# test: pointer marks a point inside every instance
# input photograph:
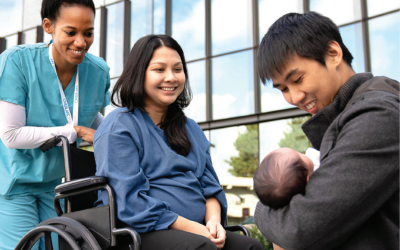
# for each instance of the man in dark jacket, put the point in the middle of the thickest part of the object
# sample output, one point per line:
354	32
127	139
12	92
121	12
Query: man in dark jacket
352	201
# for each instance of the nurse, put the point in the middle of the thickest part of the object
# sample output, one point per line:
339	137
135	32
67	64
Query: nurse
46	89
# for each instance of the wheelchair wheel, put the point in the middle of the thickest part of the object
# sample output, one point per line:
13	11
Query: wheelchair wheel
72	235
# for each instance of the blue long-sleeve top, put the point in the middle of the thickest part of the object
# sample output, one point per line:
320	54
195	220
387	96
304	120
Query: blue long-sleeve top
153	184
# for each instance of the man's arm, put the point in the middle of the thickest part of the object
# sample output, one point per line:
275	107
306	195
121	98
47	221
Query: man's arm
357	177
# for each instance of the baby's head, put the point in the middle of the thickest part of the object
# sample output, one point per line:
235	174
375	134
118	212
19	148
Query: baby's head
282	174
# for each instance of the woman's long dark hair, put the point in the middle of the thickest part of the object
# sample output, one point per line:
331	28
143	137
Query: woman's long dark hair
129	89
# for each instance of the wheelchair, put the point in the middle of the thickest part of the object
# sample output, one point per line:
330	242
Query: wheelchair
83	226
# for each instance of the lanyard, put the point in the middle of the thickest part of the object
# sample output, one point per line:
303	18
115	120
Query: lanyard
63	98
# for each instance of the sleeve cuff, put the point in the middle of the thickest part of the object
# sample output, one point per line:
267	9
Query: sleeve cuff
166	220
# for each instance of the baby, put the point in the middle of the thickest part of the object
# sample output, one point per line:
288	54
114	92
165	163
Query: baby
282	174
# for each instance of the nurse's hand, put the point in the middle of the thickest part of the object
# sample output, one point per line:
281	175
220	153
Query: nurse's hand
85	133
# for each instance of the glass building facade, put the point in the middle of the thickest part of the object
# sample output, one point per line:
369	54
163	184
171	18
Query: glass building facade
243	119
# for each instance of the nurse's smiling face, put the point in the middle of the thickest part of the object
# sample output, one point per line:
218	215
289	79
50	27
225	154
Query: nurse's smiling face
72	34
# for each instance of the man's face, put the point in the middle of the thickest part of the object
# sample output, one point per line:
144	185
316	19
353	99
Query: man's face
307	84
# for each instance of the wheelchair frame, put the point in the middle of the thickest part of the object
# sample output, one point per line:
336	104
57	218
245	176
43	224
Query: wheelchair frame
82	229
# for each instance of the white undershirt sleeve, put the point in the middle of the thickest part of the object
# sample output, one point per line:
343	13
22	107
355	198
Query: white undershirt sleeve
15	134
97	121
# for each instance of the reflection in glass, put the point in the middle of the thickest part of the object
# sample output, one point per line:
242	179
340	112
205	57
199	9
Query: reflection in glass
31	17
231	25
11	41
197	77
341	12
188	27
234	153
110	107
141	19
352	38
115	35
272	99
95	48
283	133
376	7
232	85
159	17
11	15
29	36
270	10
384	38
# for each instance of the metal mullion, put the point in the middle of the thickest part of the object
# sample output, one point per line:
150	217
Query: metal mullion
256	79
2	44
253	119
19	39
127	30
103	32
168	17
208	61
383	14
365	35
39	34
306	6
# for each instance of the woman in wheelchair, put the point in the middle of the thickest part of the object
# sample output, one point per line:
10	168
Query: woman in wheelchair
157	160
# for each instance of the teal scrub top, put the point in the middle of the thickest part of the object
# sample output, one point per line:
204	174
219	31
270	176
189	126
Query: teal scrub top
28	79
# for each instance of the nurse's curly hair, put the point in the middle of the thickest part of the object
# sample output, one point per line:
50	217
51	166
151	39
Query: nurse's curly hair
129	89
51	8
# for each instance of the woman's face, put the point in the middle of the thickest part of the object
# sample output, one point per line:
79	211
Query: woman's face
72	34
164	79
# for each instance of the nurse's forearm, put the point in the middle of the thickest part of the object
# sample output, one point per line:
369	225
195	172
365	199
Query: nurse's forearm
14	133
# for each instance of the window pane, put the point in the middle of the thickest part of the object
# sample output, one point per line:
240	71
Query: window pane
231	25
197	78
188	27
283	133
272	99
159	17
376	7
115	35
384	37
10	10
11	41
32	16
29	36
341	12
234	153
352	38
46	37
233	85
270	10
110	1
110	107
95	48
141	19
98	3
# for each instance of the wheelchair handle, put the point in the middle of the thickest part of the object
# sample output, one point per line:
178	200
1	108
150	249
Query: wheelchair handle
52	142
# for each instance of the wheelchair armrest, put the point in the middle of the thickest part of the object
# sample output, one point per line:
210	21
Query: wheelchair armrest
241	228
79	184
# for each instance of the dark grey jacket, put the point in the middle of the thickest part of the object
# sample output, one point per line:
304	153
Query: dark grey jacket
352	200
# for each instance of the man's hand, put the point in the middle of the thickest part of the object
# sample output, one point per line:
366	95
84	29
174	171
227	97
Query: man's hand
85	133
217	232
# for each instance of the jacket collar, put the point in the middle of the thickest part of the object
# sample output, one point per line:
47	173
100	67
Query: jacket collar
317	125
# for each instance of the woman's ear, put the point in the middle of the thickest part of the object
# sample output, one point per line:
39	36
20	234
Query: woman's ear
47	26
334	54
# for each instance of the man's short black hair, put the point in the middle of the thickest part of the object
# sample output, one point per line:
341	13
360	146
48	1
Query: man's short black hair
307	35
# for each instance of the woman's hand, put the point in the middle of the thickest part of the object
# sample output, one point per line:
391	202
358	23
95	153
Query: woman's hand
85	133
184	224
217	232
